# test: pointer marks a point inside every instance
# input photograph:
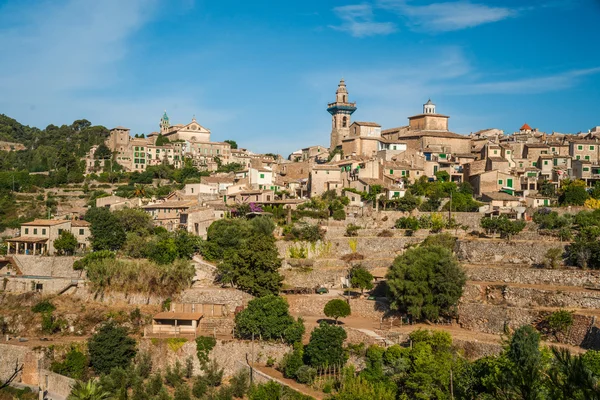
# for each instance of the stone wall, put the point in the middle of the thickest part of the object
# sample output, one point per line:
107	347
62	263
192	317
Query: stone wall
56	384
529	297
495	319
9	355
314	305
534	276
487	252
227	353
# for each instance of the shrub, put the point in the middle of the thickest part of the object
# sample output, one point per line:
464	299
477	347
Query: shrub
44	306
339	215
110	348
199	387
325	347
204	344
411	223
176	343
553	257
292	361
443	239
352	230
239	383
385	233
560	321
74	365
306	374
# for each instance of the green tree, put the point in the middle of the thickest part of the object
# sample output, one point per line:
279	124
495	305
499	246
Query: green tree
502	225
89	390
102	152
268	318
361	278
337	308
74	365
204	344
547	189
106	229
573	193
66	243
426	282
560	321
325	347
110	348
524	375
232	143
254	267
223	236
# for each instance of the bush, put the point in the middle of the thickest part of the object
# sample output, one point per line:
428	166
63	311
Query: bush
443	239
339	215
74	365
239	383
199	387
560	321
361	278
553	257
385	233
411	223
204	344
306	374
292	361
352	230
110	348
44	306
325	347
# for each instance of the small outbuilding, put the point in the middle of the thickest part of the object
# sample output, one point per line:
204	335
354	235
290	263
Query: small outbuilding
175	323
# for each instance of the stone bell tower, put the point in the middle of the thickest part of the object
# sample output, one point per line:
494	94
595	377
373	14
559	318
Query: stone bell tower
341	111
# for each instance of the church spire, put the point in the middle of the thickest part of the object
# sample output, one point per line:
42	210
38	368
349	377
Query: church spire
340	112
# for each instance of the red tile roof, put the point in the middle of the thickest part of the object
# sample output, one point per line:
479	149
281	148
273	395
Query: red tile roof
525	127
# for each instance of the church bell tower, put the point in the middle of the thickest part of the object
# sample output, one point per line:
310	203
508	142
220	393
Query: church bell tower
341	111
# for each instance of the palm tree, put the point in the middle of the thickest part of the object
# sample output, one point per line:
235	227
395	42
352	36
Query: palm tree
89	390
570	378
140	191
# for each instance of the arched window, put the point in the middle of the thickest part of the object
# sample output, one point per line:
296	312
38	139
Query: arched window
344	98
344	122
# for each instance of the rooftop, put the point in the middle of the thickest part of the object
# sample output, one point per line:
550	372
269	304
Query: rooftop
46	222
183	316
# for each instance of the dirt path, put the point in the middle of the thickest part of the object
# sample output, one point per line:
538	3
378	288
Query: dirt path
278	376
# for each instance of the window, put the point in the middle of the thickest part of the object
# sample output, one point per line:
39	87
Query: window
444	156
495	152
545	162
534	164
500	182
520	165
403	173
507	151
591	147
81	231
578	157
391	172
43	231
579	147
35	231
554	149
587	158
26	231
556	161
136	148
586	169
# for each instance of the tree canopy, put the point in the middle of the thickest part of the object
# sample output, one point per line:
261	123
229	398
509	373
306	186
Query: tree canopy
110	348
426	282
325	347
337	308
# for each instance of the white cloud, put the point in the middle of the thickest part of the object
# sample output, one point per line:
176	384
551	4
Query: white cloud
446	16
542	84
358	20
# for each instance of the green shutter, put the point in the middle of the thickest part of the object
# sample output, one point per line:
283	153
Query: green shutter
509	182
391	172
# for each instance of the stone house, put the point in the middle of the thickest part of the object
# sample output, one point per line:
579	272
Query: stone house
499	200
37	237
492	181
168	213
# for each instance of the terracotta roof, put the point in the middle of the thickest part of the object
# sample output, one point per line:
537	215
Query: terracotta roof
28	239
171	204
79	223
428	115
375	124
497	159
440	134
46	222
536	145
525	127
500	196
184	316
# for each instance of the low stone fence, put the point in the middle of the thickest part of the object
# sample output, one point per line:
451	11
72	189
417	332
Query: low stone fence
503	252
314	305
227	353
534	276
529	297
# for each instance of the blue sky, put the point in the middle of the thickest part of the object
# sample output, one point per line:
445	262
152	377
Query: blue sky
262	72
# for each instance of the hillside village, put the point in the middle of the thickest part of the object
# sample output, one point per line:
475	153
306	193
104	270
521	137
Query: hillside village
399	258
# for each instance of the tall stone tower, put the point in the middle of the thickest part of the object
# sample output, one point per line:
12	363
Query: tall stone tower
341	112
164	123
